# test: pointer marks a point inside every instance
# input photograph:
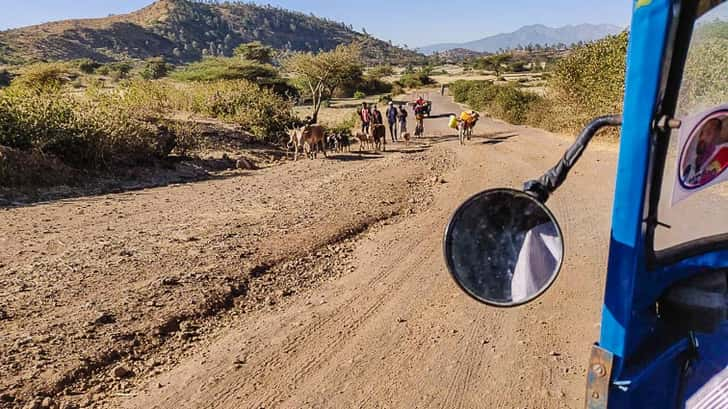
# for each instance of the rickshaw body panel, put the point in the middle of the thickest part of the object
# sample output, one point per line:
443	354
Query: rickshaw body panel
646	368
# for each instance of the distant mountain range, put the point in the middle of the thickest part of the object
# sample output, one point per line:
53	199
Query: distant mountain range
533	34
187	30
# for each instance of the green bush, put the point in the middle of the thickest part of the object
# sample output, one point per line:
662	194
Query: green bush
127	124
507	102
359	95
364	84
380	71
96	131
259	110
155	68
589	82
88	134
415	80
512	104
255	51
705	81
44	76
220	68
87	65
117	70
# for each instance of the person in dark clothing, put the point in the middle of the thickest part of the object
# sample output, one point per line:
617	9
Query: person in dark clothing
392	119
377	116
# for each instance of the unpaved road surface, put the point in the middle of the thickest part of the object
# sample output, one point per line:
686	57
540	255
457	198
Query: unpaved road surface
315	284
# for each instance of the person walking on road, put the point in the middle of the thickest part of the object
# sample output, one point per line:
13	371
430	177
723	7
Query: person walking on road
402	117
377	116
392	119
366	118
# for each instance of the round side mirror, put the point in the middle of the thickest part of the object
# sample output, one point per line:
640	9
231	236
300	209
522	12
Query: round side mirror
503	247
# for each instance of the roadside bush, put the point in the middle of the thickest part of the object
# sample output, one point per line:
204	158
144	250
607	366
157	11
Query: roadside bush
345	126
258	110
128	125
416	80
362	84
44	76
507	102
512	104
85	134
359	95
705	82
87	65
98	131
589	82
380	71
117	70
517	66
155	68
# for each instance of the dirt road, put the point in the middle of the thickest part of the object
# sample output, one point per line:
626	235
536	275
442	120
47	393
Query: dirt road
316	284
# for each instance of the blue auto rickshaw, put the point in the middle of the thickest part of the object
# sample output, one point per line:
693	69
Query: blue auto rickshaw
664	335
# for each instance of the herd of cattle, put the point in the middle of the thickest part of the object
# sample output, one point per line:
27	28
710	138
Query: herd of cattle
310	139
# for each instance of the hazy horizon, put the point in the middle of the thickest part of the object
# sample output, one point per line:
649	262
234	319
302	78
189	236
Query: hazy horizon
396	21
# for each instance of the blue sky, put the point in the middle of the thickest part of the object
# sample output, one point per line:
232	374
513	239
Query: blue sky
415	23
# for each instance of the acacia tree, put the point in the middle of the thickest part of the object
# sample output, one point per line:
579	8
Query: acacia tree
255	51
320	74
495	62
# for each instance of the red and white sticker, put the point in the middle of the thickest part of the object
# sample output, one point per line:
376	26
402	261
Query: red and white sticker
702	153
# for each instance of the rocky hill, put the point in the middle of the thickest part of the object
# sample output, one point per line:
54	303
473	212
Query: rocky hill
186	30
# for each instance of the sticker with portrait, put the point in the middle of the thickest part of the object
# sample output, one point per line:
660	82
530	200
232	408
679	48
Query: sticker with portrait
702	153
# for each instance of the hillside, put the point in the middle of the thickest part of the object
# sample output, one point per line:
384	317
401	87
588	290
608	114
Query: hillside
534	34
183	31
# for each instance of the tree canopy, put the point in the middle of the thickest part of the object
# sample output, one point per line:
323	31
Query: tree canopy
320	74
255	51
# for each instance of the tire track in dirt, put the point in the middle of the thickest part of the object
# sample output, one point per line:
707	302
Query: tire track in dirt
342	325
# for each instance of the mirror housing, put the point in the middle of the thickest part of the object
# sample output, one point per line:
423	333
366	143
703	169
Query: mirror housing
503	247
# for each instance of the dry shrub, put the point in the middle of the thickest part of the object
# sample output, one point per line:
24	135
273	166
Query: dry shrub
260	111
586	84
589	82
97	131
506	102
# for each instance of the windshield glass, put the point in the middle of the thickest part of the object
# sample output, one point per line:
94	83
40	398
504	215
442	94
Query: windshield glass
694	200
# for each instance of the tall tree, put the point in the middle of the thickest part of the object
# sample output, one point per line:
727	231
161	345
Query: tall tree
320	74
255	51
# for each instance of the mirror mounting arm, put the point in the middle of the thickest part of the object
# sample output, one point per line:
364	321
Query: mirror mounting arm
542	188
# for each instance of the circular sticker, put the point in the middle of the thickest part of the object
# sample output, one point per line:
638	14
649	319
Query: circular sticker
705	155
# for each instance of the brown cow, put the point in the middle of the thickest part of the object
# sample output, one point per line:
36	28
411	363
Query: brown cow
308	137
365	140
379	135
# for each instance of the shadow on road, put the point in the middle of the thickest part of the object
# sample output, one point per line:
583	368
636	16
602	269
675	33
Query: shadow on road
497	136
104	187
354	157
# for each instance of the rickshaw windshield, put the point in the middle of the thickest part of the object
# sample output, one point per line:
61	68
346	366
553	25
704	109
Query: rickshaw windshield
694	198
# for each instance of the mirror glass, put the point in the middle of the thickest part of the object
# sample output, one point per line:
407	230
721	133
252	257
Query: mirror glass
503	247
